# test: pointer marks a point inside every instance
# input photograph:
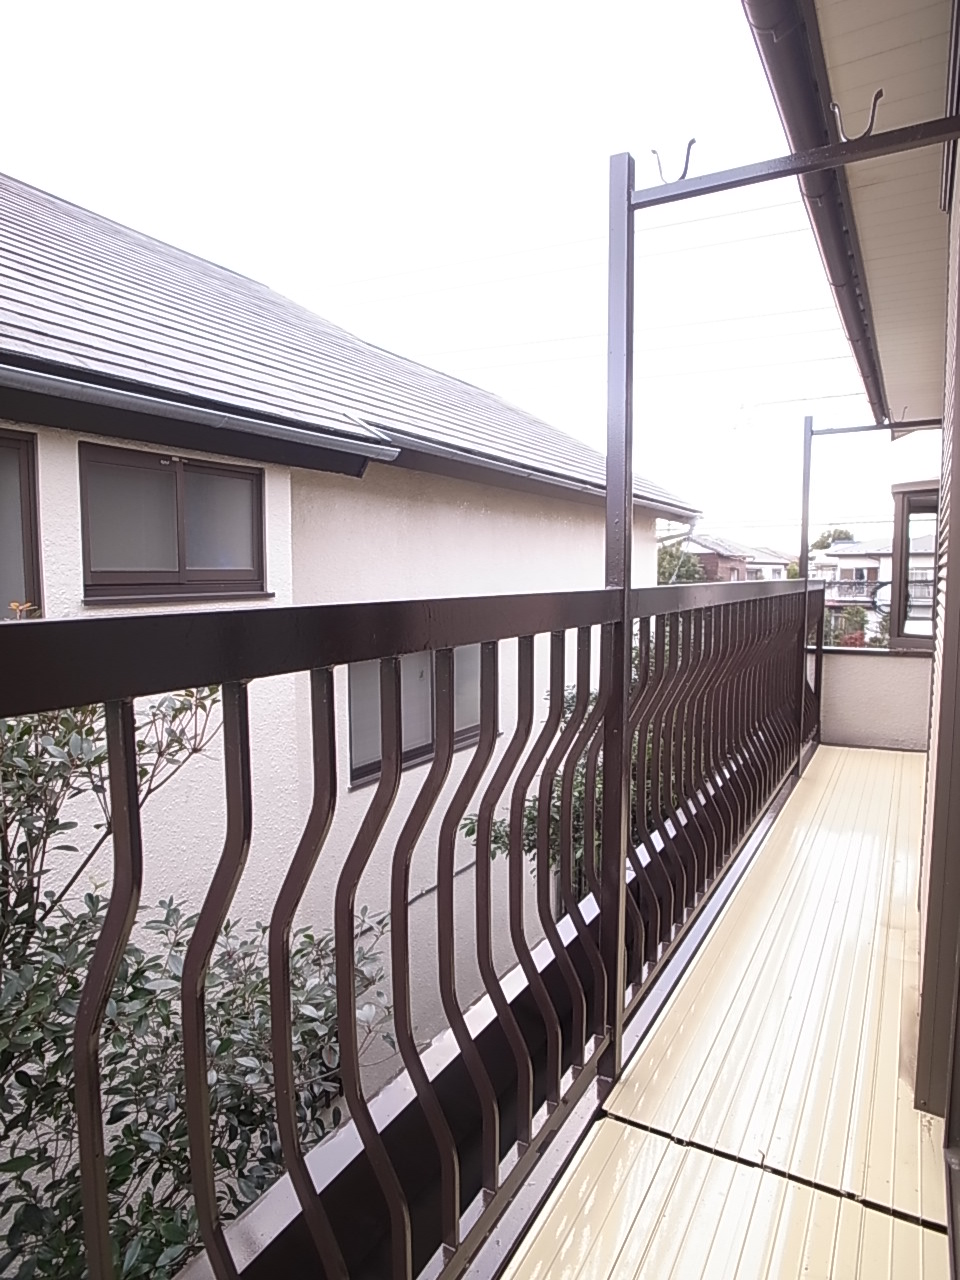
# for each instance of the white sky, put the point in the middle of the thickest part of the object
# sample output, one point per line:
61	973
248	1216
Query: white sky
433	177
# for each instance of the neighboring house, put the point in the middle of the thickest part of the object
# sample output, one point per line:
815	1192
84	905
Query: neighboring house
174	435
860	574
723	560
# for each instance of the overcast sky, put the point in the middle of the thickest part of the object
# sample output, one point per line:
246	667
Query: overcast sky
433	177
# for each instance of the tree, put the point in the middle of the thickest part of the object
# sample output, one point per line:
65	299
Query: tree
793	569
829	537
676	565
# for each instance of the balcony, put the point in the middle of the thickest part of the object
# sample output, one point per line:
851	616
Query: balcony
547	970
765	1126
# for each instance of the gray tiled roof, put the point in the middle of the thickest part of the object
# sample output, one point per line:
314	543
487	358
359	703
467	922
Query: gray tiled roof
84	296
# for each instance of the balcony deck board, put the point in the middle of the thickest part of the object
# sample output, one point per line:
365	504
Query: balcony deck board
785	1057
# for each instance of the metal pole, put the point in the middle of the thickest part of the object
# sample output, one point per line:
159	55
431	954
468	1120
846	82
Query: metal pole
804	567
618	649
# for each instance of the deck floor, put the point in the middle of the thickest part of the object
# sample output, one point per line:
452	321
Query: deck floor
766	1125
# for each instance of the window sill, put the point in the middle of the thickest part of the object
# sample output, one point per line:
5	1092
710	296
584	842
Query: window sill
181	597
359	784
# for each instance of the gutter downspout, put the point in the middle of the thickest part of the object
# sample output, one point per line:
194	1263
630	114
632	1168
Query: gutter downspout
788	42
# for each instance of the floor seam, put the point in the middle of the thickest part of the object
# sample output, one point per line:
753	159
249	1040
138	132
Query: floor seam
889	1210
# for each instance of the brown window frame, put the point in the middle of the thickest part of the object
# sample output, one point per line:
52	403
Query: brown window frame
466	736
25	446
910	499
114	585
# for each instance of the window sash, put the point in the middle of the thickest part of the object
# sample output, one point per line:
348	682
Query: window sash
23	447
183	579
364	709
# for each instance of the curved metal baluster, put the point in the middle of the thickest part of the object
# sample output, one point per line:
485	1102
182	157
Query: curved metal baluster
568	780
485	817
680	648
578	1002
406	845
446	852
223	886
107	954
716	764
518	804
669	641
662	888
684	732
315	831
345	942
702	781
643	908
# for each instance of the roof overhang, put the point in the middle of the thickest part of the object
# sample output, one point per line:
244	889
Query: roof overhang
879	224
52	399
418	455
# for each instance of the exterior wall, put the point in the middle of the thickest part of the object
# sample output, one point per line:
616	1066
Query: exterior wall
402	534
718	568
940	857
394	534
873	698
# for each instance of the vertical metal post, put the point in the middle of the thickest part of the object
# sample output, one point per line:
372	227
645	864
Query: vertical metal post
617	638
804	567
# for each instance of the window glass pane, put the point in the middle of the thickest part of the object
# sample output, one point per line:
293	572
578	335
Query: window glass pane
416	708
466	687
364	714
131	517
416	700
219	520
921	530
12	586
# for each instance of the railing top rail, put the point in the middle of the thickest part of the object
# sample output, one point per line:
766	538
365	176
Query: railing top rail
647	602
46	665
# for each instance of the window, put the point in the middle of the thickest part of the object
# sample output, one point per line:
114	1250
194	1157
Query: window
156	526
776	574
913	571
19	541
416	708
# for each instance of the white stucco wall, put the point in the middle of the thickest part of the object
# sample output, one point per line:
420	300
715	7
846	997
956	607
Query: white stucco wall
393	534
872	698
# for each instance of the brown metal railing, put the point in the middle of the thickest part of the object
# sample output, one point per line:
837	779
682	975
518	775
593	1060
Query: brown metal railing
714	727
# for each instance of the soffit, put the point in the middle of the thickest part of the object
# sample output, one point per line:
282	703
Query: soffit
901	46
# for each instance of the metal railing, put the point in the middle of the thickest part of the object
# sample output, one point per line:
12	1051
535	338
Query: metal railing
719	709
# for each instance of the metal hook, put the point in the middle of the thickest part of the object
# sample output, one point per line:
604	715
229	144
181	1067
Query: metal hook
834	107
686	163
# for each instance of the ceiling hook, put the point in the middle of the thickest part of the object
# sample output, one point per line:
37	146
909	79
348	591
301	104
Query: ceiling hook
686	163
834	107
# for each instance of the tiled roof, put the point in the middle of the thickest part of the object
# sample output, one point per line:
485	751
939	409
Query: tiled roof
85	297
737	550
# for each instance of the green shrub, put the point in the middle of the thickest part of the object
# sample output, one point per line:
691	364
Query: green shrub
46	945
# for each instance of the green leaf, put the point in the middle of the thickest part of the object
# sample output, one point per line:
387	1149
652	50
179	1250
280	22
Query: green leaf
171	1254
18	1164
131	1254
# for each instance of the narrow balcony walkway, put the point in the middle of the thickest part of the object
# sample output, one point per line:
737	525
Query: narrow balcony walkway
765	1127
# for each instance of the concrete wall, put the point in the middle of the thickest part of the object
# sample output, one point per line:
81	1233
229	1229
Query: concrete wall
394	534
874	698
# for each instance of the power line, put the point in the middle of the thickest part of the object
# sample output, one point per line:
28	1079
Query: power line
563	244
640	374
705	342
582	266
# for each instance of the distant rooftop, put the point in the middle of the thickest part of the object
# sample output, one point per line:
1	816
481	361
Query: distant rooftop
923	544
737	550
90	300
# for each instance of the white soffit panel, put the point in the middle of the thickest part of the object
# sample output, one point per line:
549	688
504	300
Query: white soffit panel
902	47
